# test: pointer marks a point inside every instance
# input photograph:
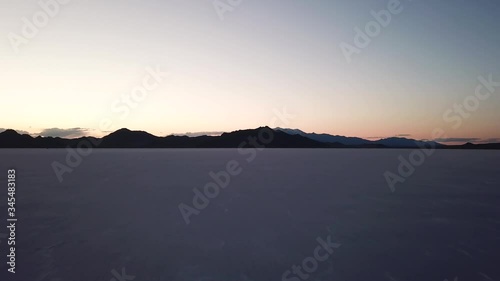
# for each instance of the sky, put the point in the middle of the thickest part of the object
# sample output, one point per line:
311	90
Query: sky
226	65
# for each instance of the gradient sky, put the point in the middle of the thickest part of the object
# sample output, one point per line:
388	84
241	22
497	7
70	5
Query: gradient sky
234	73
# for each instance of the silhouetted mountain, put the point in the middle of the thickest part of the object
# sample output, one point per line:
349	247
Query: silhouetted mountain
405	143
291	131
327	138
359	142
125	138
260	137
12	139
277	139
474	146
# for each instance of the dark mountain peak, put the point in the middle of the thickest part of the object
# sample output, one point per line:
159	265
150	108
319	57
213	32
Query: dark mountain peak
128	132
290	131
121	131
125	138
12	139
245	131
10	132
326	138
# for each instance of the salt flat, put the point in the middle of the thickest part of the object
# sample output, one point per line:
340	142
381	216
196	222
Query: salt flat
119	209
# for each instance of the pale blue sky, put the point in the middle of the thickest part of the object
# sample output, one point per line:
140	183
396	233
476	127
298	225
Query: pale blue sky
265	55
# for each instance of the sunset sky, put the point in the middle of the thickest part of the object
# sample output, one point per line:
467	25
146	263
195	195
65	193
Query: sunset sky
235	72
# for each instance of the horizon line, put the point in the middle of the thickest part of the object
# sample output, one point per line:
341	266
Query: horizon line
70	136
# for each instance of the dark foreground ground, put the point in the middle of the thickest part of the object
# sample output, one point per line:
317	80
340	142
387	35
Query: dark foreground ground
118	212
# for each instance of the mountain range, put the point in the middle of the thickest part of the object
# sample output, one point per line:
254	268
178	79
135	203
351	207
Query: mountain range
259	137
354	141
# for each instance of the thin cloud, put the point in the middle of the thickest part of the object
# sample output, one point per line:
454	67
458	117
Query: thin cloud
446	140
64	133
197	134
492	140
403	135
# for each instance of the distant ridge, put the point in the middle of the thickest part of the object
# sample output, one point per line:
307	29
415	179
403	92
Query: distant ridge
275	138
394	142
327	138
